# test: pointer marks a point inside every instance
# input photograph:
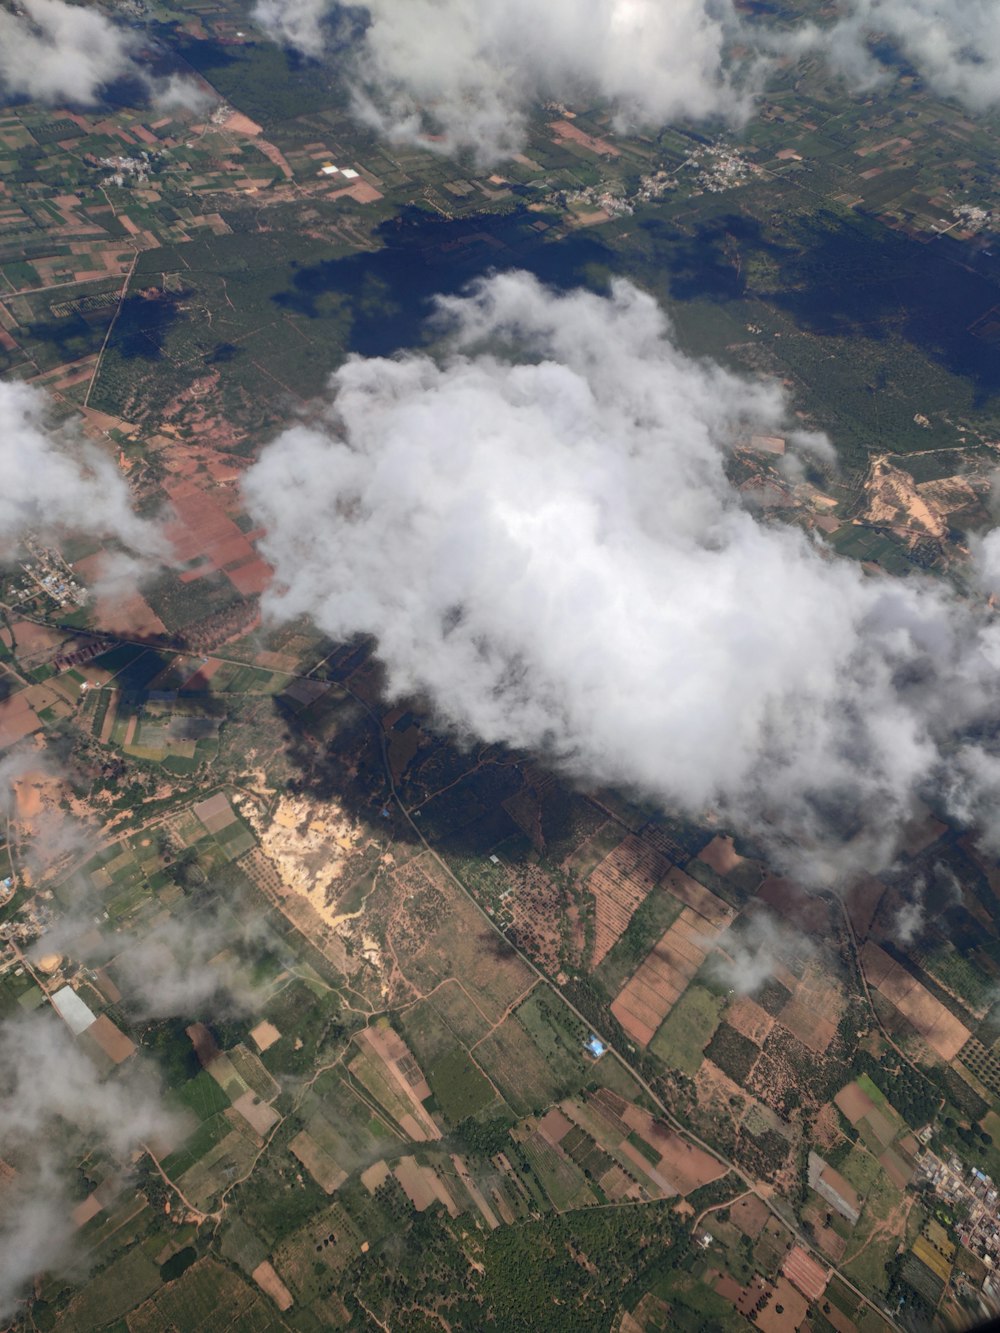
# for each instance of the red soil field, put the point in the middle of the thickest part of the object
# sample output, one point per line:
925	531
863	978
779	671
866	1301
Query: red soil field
655	987
251	577
619	884
686	1167
720	855
809	1276
554	1126
565	130
940	1029
17	720
854	1102
202	528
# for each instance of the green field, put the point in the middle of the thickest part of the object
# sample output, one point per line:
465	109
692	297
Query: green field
458	1086
652	918
519	1070
562	1180
860	1169
203	1096
688	1028
866	1085
122	1286
210	1132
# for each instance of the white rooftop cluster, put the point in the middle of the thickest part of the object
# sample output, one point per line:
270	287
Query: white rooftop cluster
328	169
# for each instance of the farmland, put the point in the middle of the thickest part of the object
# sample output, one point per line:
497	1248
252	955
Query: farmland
458	1089
460	1042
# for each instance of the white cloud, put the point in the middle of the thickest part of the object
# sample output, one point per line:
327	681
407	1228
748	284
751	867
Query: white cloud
461	74
466	70
199	961
924	901
54	480
184	965
909	920
55	52
50	1095
539	531
61	52
745	956
954	46
299	24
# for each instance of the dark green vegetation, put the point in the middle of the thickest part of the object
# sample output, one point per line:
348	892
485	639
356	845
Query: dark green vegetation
285	313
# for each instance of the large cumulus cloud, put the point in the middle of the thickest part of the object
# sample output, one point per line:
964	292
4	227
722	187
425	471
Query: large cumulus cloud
461	74
465	71
539	530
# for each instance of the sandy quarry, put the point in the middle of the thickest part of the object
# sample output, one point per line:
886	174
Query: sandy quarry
894	501
309	843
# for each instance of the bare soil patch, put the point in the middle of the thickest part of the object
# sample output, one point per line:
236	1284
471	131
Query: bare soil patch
215	813
686	1166
112	1041
17	719
810	1028
658	983
785	1311
268	1281
258	1115
619	884
940	1029
720	855
422	1186
264	1035
749	1214
854	1102
746	1016
554	1126
565	131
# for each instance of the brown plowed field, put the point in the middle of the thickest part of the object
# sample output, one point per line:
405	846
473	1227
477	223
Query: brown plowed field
809	1276
17	719
698	898
746	1016
854	1102
202	528
686	1166
940	1029
565	131
619	884
655	987
812	1029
